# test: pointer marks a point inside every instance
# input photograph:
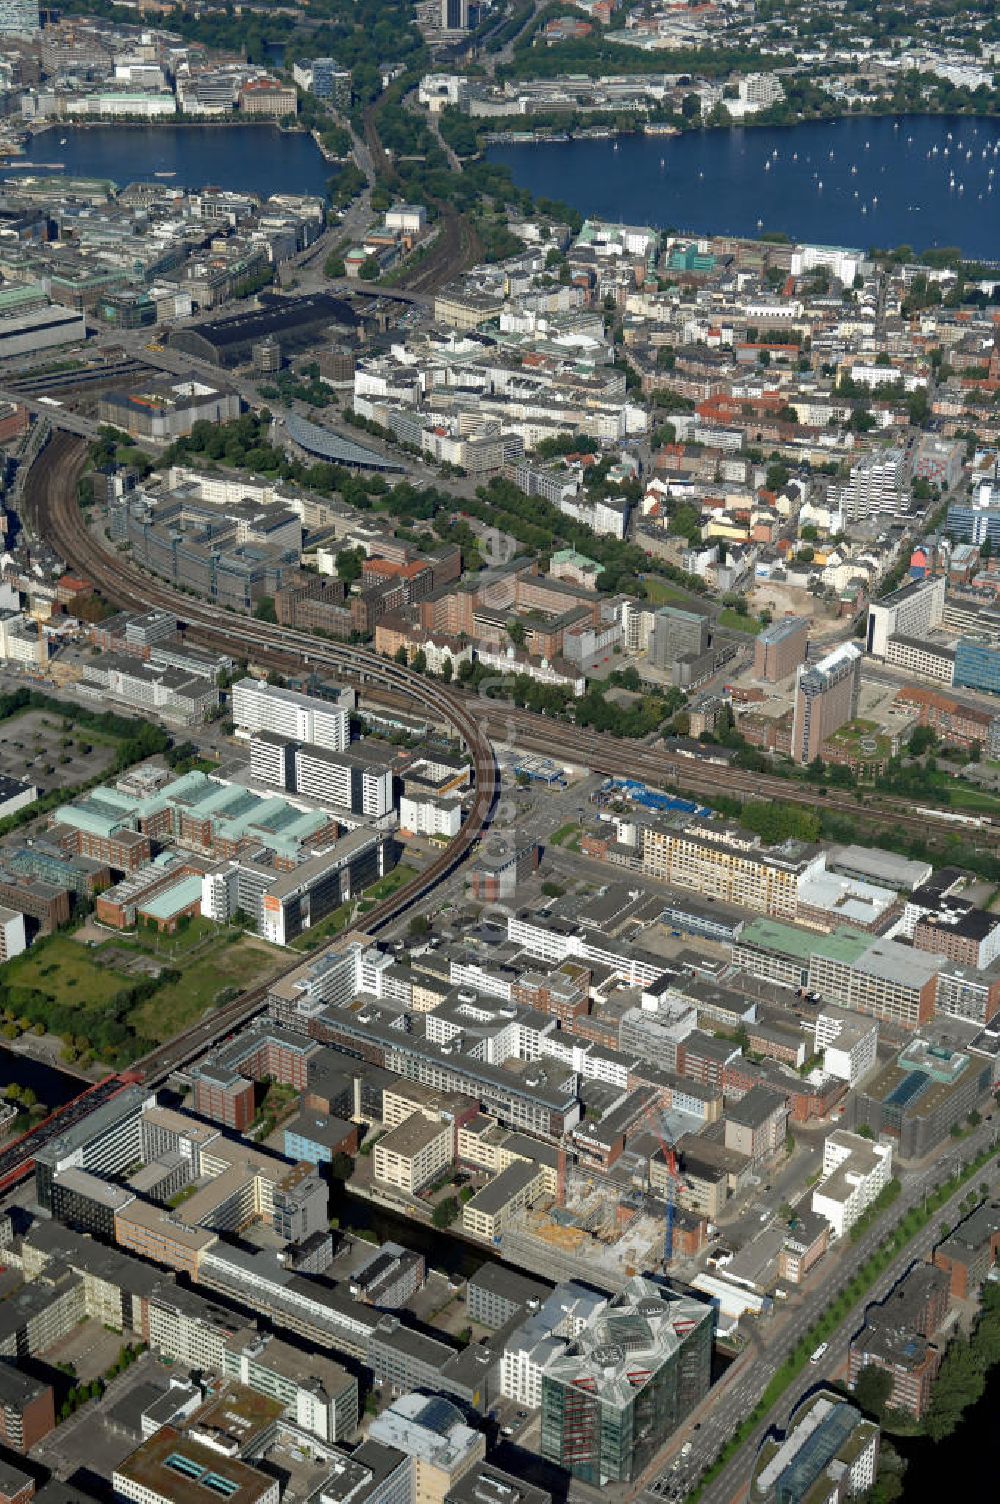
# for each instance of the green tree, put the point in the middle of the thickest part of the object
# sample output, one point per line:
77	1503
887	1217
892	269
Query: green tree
873	1389
445	1213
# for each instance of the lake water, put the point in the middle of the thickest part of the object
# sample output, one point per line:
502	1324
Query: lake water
250	158
933	1466
920	180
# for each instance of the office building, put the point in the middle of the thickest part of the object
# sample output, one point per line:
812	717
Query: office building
430	814
855	1172
12	937
625	1383
877	483
325	78
897	1337
297	900
756	1125
977	664
805	1243
19	17
107	1141
677	634
16	1486
919	1096
829	1452
318	1395
780	648
968	1254
27	1408
826	698
303	718
546	1333
496	1294
433	1434
355	779
172	1467
912	611
728	866
848	1044
486	1484
414	1153
454	15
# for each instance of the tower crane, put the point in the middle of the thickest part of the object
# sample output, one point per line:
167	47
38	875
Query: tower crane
673	1180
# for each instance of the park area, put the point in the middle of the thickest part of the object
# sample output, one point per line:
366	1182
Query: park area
112	999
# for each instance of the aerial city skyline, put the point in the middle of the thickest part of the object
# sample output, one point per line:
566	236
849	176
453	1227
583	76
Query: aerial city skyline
499	751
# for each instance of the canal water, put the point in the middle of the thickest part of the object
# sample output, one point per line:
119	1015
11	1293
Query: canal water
934	1467
51	1086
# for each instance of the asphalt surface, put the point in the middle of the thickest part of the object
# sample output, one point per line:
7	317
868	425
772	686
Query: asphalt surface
735	1396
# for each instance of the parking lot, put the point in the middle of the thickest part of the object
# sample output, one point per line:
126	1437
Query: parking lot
95	1439
36	747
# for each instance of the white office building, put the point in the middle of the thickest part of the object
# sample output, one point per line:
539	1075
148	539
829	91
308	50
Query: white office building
855	1171
354	782
303	718
12	937
430	814
912	611
848	1043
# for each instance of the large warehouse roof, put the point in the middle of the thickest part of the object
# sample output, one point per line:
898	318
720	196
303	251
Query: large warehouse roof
286	318
331	446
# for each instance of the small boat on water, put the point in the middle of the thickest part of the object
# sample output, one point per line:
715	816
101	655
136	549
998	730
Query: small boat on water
62	140
164	174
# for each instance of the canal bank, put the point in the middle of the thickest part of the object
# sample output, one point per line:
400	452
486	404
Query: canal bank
51	1086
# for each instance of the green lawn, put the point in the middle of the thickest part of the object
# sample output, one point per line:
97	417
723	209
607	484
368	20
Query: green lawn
737	623
64	971
662	593
220	968
565	834
961	796
61	983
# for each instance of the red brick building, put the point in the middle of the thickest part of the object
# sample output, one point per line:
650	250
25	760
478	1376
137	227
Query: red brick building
27	1409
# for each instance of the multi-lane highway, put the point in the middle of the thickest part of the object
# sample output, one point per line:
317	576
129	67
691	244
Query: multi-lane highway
744	1384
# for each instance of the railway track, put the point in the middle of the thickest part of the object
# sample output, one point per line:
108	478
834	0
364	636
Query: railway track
130	371
497	719
51	511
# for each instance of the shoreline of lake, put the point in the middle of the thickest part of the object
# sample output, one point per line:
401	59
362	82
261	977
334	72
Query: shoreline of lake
860	181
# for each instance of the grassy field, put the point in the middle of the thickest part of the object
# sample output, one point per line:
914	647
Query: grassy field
217	969
96	996
961	796
62	969
737	623
660	592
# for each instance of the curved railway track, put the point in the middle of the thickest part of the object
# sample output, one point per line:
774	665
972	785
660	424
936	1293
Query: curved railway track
50	505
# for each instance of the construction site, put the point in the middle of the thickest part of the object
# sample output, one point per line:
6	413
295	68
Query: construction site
598	1233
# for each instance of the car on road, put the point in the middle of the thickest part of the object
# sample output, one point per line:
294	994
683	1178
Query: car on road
817	1355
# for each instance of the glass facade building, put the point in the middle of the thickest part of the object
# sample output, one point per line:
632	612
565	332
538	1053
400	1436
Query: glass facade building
977	665
625	1383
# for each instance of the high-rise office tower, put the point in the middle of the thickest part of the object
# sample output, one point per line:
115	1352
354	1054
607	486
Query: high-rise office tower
826	697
